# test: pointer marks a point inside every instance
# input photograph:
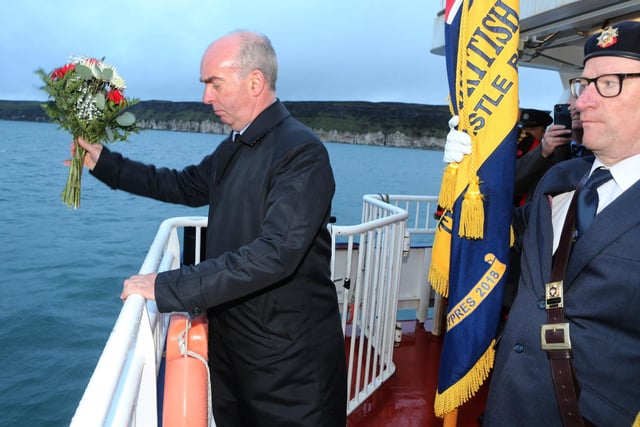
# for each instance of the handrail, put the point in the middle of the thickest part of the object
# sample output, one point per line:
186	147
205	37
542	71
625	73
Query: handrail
394	213
421	209
128	367
123	388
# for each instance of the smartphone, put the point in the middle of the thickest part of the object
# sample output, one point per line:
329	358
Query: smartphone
561	115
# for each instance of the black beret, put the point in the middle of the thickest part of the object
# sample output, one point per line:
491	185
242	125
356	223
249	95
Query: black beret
621	39
533	118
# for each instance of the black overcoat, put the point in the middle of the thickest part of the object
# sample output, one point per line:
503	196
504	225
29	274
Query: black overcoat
275	341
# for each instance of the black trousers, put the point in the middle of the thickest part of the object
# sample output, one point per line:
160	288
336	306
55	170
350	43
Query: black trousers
266	378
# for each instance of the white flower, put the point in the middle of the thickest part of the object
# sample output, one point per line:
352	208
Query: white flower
86	108
82	60
116	81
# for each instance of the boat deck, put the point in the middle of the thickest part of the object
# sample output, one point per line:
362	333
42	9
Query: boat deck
406	399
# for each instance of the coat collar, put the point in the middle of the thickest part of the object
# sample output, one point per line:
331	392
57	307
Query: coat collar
565	175
561	178
272	116
608	226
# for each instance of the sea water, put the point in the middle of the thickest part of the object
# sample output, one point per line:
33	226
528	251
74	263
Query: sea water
61	270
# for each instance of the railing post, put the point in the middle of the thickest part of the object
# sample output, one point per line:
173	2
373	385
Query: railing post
373	293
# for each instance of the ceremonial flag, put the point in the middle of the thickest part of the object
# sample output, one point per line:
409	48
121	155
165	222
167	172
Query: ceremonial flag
471	247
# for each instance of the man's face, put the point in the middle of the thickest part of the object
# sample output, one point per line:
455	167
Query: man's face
536	131
575	114
225	89
576	123
611	125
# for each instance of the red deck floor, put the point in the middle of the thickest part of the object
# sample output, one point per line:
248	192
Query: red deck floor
406	399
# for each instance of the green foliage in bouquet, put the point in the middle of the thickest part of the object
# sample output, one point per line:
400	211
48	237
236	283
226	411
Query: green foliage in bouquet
87	100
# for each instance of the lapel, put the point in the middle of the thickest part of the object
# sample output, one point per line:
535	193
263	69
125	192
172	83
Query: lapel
272	116
559	179
257	130
611	223
607	227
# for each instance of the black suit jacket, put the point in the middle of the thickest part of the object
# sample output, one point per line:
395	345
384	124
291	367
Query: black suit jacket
602	305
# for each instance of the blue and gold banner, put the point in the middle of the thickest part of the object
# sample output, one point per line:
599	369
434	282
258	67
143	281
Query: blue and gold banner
471	247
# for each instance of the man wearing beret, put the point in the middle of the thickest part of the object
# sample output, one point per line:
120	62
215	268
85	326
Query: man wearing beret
540	146
533	124
537	151
570	351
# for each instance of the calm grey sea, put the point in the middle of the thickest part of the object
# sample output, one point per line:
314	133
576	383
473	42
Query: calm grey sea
61	270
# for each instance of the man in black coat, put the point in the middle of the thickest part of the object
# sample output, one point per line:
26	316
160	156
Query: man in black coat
276	347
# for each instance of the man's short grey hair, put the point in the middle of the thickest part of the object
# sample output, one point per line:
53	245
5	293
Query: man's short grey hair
257	53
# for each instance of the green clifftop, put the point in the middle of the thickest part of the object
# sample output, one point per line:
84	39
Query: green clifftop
370	123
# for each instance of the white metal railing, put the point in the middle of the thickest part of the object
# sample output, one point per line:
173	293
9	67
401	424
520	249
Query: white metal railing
421	210
369	295
123	388
416	291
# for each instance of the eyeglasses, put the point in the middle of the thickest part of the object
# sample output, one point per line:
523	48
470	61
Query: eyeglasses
607	85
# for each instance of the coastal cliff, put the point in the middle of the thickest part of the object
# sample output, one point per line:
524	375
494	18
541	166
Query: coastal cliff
395	139
364	123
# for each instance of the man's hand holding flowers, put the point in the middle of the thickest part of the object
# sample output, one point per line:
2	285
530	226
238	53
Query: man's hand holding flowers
87	100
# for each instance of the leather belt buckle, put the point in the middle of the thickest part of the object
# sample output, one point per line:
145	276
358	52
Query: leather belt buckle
555	336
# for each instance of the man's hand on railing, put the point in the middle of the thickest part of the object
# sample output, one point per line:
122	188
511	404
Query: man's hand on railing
141	284
458	143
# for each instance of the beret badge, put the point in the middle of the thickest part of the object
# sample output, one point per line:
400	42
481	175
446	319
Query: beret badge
608	37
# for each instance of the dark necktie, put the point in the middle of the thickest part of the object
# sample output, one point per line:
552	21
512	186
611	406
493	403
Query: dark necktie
587	203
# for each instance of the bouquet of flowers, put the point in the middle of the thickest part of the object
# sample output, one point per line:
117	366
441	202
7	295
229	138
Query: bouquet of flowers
87	99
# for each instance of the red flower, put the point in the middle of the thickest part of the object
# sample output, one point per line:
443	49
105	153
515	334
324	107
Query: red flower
115	96
59	73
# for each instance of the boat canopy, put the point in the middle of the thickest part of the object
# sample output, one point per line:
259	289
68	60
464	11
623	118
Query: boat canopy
553	32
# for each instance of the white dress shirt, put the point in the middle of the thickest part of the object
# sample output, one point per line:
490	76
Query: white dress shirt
625	173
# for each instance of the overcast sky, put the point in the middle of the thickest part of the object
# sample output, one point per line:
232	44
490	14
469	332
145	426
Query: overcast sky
329	50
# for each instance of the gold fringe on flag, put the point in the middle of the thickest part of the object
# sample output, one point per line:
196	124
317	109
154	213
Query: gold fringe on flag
439	281
447	195
439	269
512	236
464	389
472	212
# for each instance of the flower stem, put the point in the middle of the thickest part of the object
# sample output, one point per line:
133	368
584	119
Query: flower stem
71	192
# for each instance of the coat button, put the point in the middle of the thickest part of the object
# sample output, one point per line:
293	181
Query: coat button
197	311
518	348
542	305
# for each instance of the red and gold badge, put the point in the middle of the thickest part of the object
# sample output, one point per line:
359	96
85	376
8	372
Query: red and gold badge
608	37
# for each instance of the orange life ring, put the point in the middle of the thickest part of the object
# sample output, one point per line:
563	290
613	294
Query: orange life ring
186	385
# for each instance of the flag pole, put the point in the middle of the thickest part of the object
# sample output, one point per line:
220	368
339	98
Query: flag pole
451	419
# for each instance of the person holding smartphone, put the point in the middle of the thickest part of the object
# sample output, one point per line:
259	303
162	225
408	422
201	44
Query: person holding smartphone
544	142
549	145
577	149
